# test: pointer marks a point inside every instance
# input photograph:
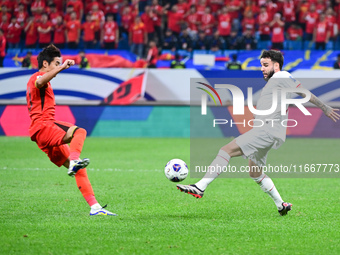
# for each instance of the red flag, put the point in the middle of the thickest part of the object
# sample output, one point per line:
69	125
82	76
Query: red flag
128	92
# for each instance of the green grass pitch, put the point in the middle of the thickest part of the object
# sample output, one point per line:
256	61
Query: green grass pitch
42	211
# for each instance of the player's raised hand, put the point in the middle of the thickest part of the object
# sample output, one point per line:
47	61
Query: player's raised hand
67	63
332	113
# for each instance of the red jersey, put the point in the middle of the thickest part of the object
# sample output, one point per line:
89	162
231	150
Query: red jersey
138	31
2	46
72	30
40	103
31	34
321	31
59	34
248	23
311	19
224	24
192	20
89	31
127	20
289	11
153	55
173	21
21	17
110	31
53	17
263	20
207	21
45	37
182	8
332	26
13	33
148	22
4	27
278	34
158	10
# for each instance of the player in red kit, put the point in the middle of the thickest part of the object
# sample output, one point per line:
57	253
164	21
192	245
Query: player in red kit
52	136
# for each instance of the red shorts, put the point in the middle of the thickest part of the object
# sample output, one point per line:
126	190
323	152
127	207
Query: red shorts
50	140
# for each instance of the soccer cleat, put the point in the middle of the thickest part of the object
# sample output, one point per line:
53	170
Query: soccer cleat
101	211
76	165
191	189
286	208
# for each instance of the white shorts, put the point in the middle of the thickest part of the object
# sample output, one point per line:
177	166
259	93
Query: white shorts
255	145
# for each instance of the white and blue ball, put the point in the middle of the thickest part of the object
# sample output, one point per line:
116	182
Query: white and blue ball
176	170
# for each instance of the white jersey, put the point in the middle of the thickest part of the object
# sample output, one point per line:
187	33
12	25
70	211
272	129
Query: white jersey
273	122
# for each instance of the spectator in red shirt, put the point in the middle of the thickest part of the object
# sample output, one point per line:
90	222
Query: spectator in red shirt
193	21
157	19
73	31
263	21
137	37
59	33
251	6
31	36
4	24
110	35
147	19
277	26
21	15
4	12
224	24
98	16
248	22
175	20
13	33
288	13
112	7
44	31
89	27
54	14
235	7
182	7
207	22
127	19
311	18
216	6
152	56
201	7
67	15
272	8
321	33
332	25
2	47
78	7
294	33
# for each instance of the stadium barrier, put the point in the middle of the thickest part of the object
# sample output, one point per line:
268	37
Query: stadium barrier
164	110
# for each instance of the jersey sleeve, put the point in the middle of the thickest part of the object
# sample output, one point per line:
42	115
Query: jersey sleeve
291	82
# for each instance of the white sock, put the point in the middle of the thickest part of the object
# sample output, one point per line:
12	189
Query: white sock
96	206
268	187
214	170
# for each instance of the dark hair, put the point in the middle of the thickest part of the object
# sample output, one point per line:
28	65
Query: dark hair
274	55
48	54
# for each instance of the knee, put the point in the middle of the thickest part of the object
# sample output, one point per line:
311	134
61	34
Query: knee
80	131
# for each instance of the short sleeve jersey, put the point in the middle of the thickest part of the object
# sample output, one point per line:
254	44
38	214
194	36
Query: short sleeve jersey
40	103
280	80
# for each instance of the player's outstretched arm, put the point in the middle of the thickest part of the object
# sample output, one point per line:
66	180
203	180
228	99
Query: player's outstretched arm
328	111
51	74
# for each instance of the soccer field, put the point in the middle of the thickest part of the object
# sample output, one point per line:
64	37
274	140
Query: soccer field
42	211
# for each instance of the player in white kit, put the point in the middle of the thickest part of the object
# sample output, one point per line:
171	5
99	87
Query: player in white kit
256	143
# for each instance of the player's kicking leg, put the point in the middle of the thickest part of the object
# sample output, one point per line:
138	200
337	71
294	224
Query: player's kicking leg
77	167
267	185
222	159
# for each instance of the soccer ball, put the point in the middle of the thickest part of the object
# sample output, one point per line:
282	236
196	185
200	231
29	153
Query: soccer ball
176	170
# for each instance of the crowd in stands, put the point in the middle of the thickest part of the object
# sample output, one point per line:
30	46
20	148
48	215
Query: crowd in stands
174	25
